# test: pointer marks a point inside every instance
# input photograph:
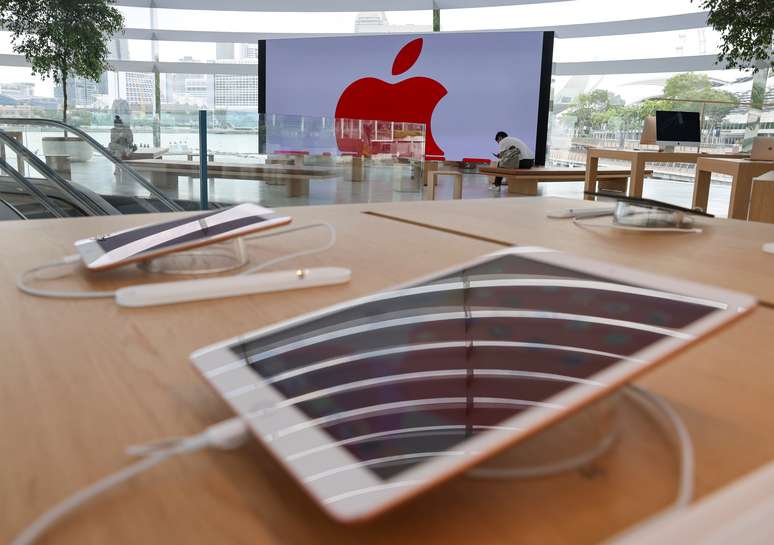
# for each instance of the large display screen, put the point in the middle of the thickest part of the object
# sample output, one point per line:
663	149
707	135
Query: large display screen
465	87
410	375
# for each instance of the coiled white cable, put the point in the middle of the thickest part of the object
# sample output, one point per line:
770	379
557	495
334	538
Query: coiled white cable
68	264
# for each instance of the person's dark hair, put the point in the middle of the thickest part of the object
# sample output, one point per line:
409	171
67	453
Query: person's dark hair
500	135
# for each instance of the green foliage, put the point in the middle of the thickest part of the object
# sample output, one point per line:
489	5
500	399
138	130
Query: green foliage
698	87
601	108
595	109
62	38
746	28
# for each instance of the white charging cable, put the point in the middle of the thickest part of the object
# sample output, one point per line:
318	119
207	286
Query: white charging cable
67	265
225	435
669	418
234	432
656	405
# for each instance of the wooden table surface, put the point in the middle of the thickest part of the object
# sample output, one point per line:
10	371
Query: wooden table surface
728	253
81	380
638	159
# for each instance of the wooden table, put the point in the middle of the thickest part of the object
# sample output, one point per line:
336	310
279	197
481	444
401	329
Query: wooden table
524	181
742	172
638	159
80	380
164	174
728	252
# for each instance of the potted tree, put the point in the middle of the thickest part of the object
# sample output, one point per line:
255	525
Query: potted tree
62	40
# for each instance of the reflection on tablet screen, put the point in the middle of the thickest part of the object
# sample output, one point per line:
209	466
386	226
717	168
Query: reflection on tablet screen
410	375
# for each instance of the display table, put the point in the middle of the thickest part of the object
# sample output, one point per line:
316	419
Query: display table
81	380
728	252
638	160
742	172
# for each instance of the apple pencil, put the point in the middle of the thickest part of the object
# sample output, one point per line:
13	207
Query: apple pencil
164	293
581	213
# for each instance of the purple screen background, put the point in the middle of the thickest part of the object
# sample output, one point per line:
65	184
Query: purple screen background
492	79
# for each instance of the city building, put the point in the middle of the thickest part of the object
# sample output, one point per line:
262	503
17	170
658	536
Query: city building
375	22
18	90
82	92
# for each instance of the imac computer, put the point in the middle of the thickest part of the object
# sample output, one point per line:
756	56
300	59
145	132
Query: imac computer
674	128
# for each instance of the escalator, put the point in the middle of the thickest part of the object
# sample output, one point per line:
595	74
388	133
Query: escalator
53	185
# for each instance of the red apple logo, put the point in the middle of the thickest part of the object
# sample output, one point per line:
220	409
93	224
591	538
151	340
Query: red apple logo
410	101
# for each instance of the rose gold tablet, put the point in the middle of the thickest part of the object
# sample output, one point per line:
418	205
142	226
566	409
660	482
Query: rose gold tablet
371	402
149	241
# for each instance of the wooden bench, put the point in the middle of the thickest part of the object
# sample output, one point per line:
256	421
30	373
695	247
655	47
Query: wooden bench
164	174
523	181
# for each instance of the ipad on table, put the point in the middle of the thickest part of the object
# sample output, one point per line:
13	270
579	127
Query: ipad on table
370	402
193	231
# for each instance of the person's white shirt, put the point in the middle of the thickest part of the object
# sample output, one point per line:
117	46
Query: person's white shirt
512	141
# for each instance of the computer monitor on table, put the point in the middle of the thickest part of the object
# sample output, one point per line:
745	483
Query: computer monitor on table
675	128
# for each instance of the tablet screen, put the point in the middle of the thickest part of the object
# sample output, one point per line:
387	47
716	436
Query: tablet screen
162	235
131	243
409	375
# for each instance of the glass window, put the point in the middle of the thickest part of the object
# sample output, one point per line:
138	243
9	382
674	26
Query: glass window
238	21
676	43
564	13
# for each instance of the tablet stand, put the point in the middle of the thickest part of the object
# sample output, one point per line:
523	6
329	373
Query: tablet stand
215	258
569	444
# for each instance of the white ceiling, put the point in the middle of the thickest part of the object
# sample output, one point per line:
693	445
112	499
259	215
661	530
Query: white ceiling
323	5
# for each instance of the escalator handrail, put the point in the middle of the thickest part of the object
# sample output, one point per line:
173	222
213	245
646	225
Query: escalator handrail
93	208
42	197
101	149
13	209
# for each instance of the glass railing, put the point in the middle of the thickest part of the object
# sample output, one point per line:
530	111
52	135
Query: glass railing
271	159
723	130
52	152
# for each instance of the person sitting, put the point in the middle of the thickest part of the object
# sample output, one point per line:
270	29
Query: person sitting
514	153
121	140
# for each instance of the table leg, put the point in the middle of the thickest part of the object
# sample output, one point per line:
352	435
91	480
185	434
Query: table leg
637	178
522	186
432	180
297	187
164	180
358	169
701	187
457	186
762	201
741	187
613	184
429	168
592	166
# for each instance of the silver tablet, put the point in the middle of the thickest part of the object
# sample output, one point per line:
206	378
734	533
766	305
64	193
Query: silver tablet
370	402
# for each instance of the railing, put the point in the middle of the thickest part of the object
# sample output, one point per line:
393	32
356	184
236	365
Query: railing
124	170
86	202
271	159
31	188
